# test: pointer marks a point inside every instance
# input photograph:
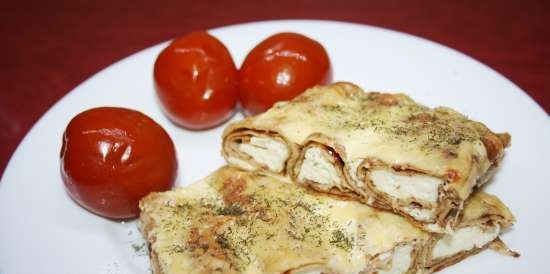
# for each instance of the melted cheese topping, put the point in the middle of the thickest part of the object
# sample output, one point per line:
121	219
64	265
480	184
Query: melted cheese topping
464	239
316	168
419	187
240	222
391	128
267	151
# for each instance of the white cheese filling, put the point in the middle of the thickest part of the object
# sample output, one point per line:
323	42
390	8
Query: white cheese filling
400	261
266	151
420	214
315	167
420	187
464	239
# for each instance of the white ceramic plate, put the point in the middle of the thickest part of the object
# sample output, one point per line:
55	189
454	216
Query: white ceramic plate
43	231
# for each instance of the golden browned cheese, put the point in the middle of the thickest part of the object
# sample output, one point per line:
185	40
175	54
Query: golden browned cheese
483	206
236	221
361	132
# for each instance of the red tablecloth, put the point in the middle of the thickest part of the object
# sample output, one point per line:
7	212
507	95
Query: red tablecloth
49	47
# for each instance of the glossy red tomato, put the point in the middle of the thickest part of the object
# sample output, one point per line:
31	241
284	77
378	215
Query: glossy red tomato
112	157
196	81
280	68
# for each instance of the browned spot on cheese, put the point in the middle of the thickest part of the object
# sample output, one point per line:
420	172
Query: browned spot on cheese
505	138
453	175
206	240
232	192
422	117
195	242
450	153
385	99
493	145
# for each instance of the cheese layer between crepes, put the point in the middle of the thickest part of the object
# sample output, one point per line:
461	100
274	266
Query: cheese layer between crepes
379	148
236	221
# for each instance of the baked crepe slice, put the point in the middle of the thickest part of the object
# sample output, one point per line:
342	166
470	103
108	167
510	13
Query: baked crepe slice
484	217
383	149
236	221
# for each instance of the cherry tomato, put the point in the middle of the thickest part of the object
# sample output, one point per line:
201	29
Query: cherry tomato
280	68
112	157
196	81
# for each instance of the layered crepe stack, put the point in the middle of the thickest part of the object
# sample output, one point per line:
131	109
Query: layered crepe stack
336	181
237	221
382	149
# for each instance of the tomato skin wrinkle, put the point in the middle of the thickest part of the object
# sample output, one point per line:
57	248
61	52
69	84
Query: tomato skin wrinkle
196	81
279	68
112	157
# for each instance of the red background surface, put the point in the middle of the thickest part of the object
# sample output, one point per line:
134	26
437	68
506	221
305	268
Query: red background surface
49	47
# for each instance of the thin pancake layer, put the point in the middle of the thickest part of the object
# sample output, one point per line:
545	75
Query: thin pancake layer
382	149
236	221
